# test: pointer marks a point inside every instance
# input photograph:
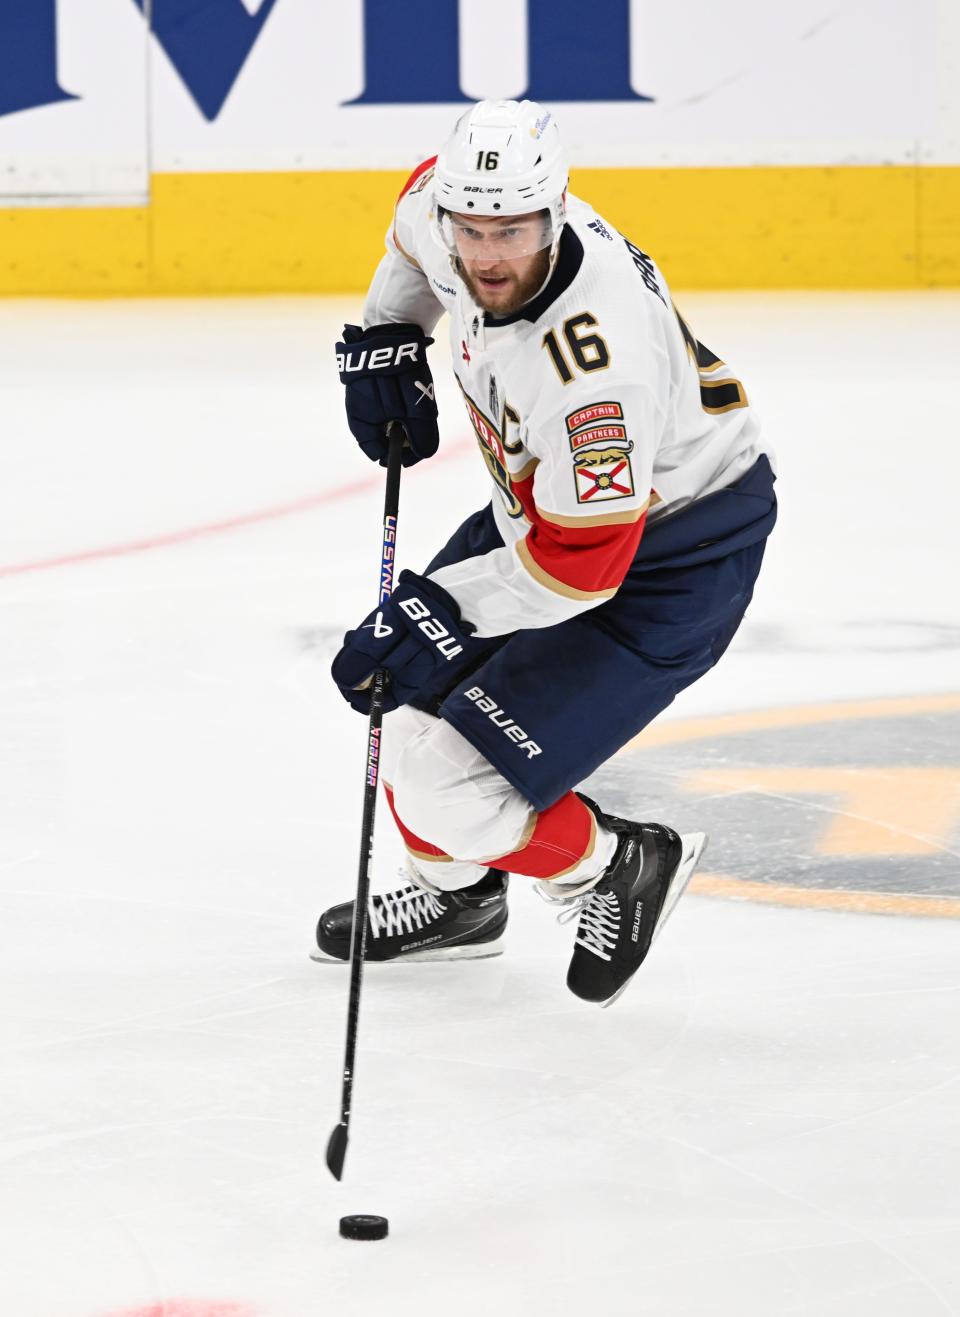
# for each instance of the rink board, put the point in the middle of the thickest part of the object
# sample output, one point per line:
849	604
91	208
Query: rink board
232	146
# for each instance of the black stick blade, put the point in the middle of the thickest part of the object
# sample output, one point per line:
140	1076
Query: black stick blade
337	1151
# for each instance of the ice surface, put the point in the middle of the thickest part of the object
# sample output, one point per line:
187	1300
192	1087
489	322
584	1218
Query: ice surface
765	1124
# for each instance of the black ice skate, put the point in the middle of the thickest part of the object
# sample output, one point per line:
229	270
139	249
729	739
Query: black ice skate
413	924
622	915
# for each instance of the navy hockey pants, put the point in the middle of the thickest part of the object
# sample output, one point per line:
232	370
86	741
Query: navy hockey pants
582	689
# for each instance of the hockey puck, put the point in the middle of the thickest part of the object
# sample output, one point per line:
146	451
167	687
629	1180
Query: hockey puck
364	1227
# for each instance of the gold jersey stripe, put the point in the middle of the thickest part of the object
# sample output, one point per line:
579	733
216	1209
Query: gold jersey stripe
551	582
526	471
430	859
403	251
625	518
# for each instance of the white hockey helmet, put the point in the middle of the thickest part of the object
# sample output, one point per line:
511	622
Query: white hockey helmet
503	158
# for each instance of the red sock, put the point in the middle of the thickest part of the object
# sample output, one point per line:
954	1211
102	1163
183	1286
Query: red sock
558	840
562	836
418	848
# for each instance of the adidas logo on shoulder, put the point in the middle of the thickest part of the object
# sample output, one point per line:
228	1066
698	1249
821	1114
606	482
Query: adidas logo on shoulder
598	226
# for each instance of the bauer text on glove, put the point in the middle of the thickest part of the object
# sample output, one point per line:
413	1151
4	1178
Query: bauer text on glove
384	370
418	637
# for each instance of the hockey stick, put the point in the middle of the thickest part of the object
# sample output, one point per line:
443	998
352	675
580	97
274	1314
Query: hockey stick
337	1143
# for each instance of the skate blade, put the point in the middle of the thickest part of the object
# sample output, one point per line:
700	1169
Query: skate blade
478	951
694	844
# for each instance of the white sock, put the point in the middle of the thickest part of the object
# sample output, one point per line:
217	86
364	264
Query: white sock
444	875
587	873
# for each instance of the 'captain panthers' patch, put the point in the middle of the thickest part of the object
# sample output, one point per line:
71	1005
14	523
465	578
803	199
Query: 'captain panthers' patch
599	411
611	436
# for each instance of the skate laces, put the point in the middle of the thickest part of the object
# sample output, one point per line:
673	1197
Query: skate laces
402	911
599	922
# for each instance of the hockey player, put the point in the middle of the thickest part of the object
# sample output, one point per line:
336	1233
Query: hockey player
632	497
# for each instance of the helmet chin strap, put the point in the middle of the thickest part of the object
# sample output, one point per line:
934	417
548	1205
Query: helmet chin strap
552	265
558	218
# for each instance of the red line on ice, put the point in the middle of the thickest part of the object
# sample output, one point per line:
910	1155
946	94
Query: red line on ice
189	1308
166	539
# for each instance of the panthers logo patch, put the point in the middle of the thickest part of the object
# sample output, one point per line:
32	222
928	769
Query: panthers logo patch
601	474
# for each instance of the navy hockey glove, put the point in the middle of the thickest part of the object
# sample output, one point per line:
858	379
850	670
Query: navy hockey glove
420	638
387	378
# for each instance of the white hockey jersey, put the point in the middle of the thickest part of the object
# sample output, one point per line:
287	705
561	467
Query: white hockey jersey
594	407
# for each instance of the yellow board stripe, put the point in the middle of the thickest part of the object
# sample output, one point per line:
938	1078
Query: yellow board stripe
895	226
322	232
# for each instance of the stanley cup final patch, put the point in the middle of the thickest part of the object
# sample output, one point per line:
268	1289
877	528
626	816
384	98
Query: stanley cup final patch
602	474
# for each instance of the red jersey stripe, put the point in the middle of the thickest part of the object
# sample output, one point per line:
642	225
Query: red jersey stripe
587	559
420	170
